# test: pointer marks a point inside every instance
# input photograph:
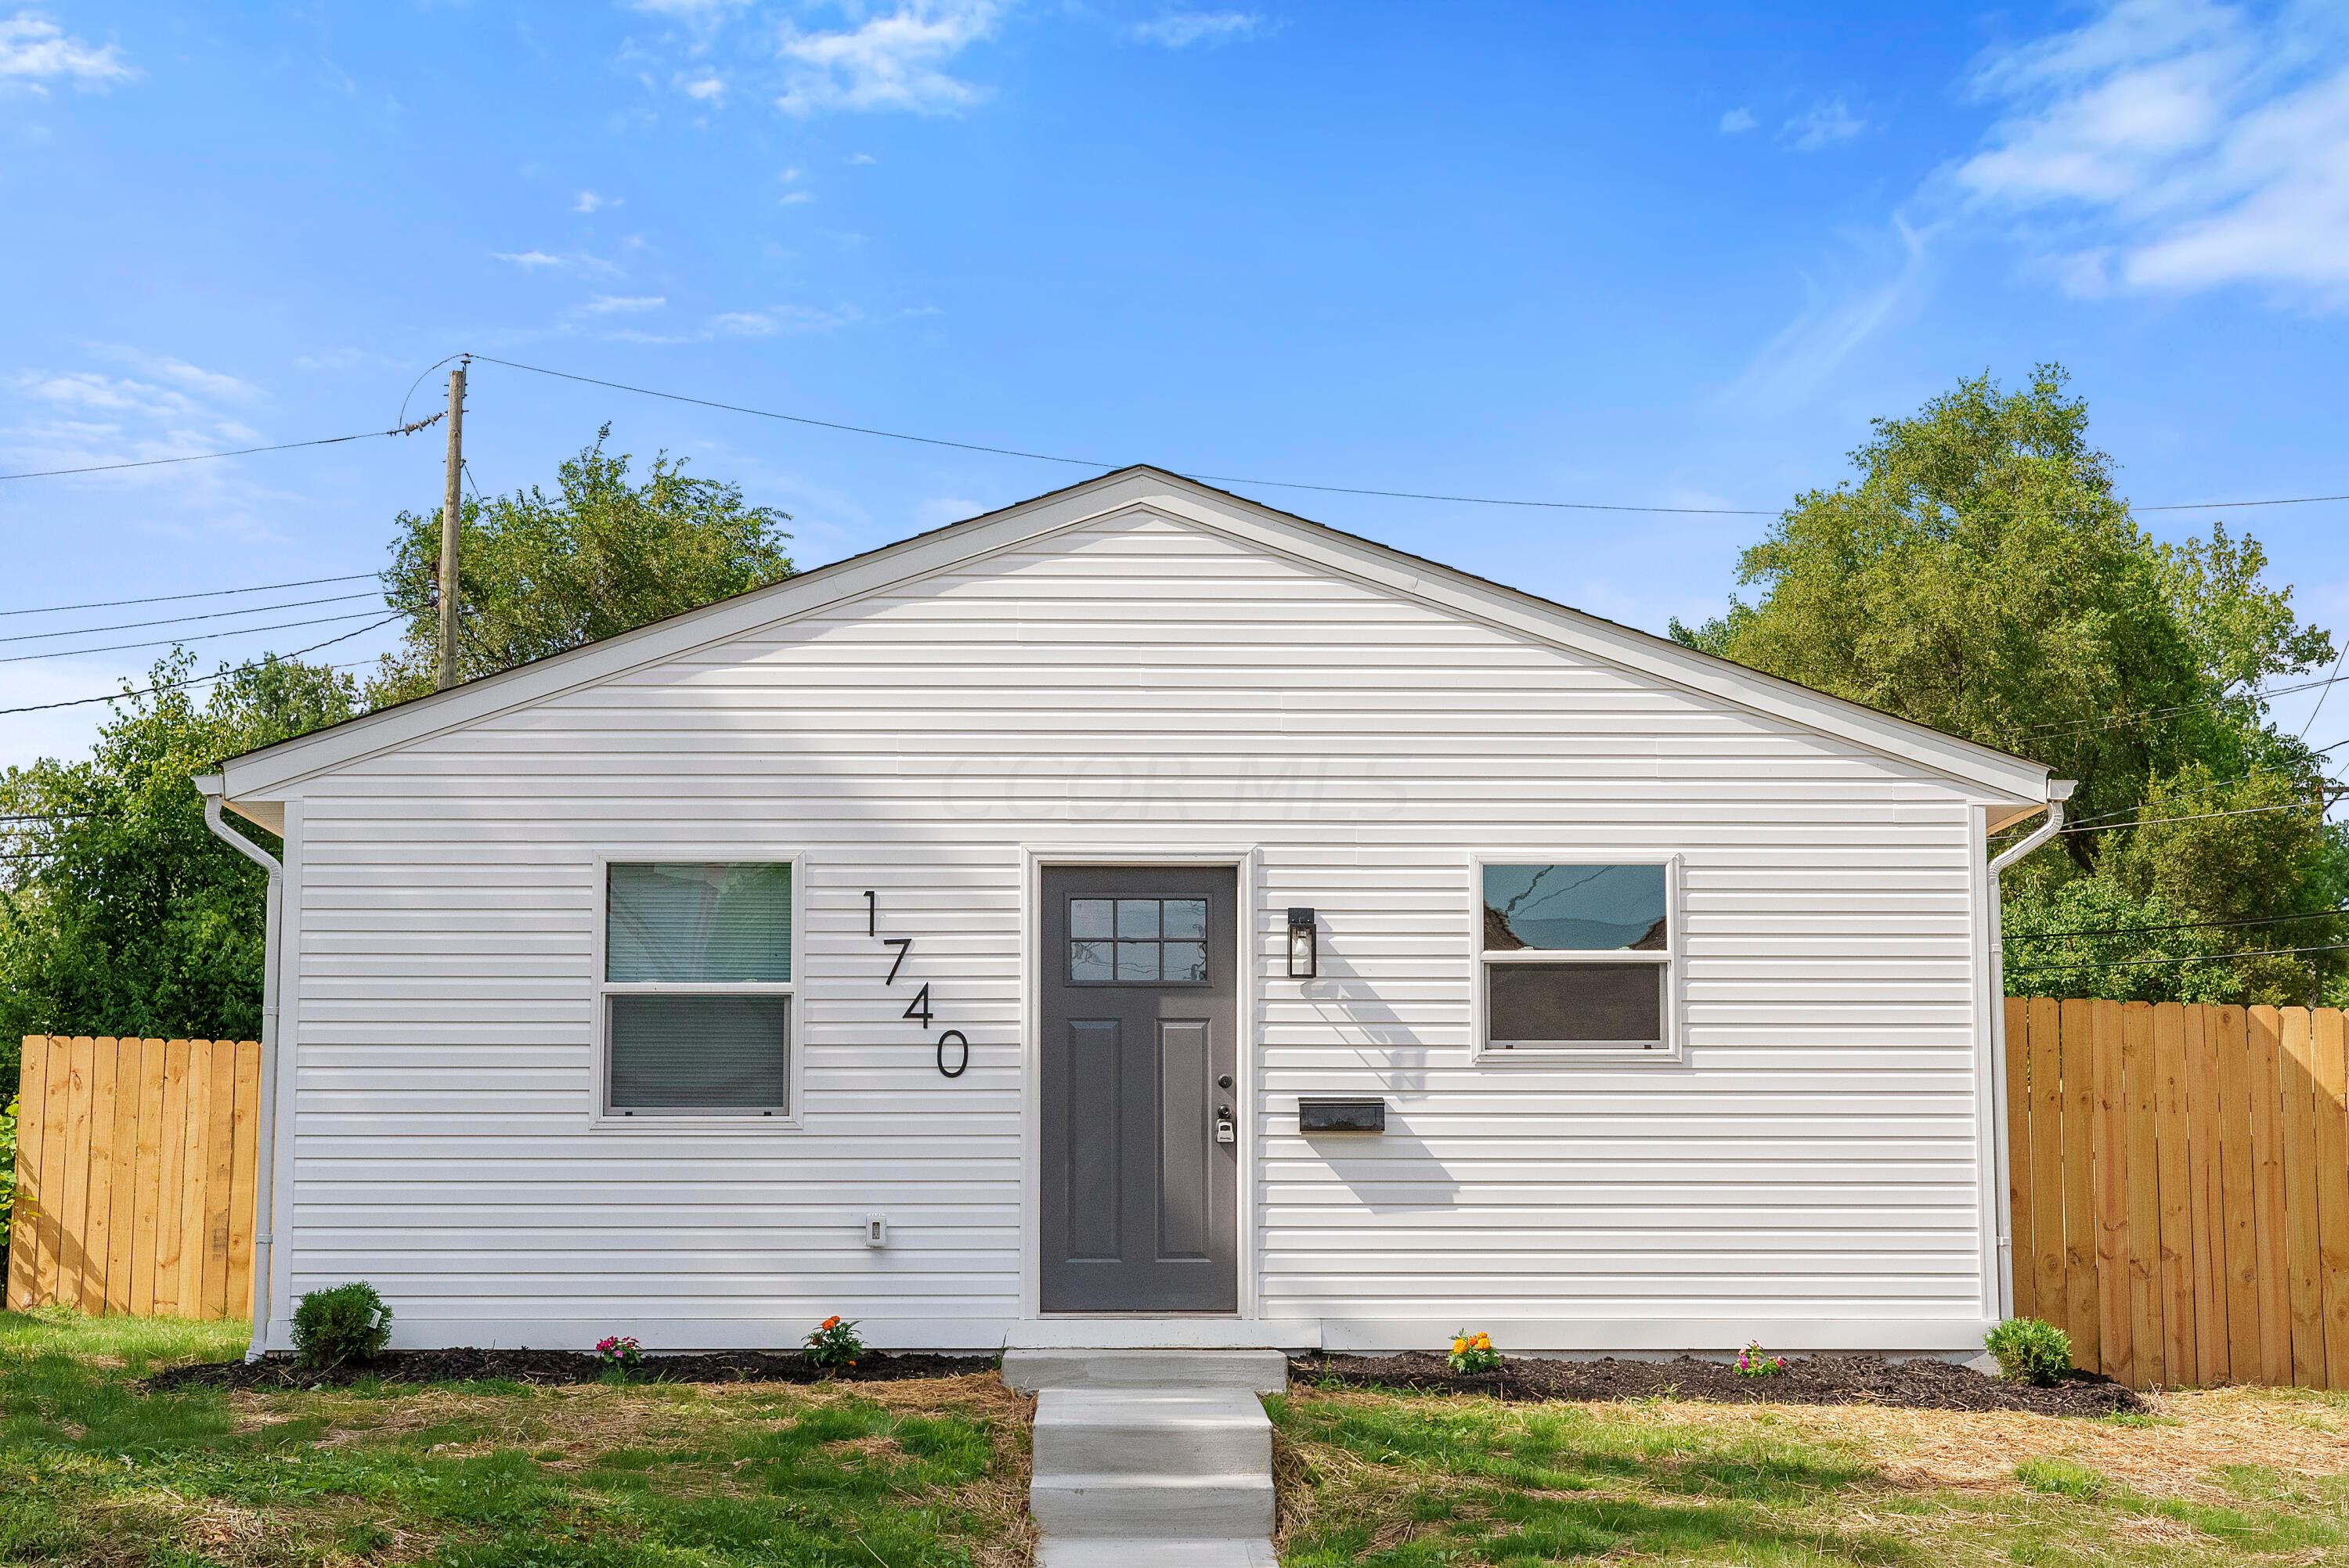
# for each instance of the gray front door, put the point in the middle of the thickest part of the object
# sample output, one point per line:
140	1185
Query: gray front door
1140	1210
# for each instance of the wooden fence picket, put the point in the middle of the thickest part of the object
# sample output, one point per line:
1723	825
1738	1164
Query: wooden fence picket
2178	1178
134	1170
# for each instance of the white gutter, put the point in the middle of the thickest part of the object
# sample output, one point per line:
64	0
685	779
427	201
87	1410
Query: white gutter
2058	791
265	1187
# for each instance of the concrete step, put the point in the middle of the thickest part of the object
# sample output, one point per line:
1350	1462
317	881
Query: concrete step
1097	1552
1143	1432
1259	1371
1153	1507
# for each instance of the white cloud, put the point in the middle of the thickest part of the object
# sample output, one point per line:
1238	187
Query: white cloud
796	198
862	158
1882	282
542	260
589	201
705	87
1822	125
887	62
615	304
1738	121
35	52
1180	29
2174	145
784	319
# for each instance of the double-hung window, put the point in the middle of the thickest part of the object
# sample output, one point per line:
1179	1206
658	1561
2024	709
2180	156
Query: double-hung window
1577	957
698	989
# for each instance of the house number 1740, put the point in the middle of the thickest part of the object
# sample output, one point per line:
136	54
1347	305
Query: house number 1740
918	1009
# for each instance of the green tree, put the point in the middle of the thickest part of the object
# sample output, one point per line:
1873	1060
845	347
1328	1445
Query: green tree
543	573
1981	575
119	911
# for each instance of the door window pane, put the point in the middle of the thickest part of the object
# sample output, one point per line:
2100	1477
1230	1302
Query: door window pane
1574	1004
699	1053
1138	941
1579	908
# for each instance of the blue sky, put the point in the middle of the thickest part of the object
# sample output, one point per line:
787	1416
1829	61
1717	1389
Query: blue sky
1662	254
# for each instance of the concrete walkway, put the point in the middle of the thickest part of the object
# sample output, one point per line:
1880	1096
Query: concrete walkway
1151	1459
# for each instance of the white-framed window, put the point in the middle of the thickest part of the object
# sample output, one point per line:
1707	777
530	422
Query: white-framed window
1576	955
697	966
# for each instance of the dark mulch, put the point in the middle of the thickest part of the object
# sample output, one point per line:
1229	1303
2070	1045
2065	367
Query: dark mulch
1807	1381
557	1367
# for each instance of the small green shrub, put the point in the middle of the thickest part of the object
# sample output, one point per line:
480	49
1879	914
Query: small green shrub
2030	1351
347	1323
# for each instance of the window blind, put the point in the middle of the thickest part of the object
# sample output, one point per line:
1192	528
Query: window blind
698	924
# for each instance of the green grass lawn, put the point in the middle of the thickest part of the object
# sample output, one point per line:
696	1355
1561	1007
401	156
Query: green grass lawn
919	1474
1404	1481
488	1475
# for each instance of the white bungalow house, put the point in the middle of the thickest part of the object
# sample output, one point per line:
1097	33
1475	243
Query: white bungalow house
1137	916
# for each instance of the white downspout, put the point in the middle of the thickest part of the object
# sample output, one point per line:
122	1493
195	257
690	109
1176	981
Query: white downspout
264	1186
2058	791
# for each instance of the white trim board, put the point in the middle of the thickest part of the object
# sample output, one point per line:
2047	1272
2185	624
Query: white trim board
273	772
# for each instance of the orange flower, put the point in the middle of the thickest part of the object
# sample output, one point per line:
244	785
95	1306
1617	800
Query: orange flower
831	1322
1459	1346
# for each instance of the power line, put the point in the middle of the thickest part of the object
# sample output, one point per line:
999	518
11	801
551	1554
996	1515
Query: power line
2115	721
181	620
215	675
2190	958
175	642
207	594
2179	925
1237	479
2190	817
409	429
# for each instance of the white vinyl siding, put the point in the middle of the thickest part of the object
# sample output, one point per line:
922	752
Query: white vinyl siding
1808	1170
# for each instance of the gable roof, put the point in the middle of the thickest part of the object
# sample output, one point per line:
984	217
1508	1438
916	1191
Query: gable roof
267	773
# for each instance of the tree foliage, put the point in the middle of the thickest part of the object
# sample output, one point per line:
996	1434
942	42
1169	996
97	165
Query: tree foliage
120	913
541	574
1982	576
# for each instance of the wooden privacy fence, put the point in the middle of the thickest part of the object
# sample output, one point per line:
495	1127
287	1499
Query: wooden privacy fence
134	1176
2180	1178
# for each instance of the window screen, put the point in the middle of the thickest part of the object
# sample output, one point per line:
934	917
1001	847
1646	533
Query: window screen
1574	1004
673	1052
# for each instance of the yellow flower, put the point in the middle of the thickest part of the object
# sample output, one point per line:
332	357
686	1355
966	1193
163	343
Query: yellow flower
1483	1342
1459	1346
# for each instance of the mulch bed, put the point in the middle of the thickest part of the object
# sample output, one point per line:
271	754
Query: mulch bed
547	1367
1919	1385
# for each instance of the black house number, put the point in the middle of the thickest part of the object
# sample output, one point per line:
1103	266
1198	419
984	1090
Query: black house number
918	1009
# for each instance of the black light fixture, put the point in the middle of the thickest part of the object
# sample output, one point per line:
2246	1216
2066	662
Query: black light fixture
1302	957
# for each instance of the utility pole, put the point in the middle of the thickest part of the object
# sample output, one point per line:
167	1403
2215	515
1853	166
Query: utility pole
452	514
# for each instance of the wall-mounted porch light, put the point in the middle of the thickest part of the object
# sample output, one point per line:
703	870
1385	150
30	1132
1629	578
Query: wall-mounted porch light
1302	958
